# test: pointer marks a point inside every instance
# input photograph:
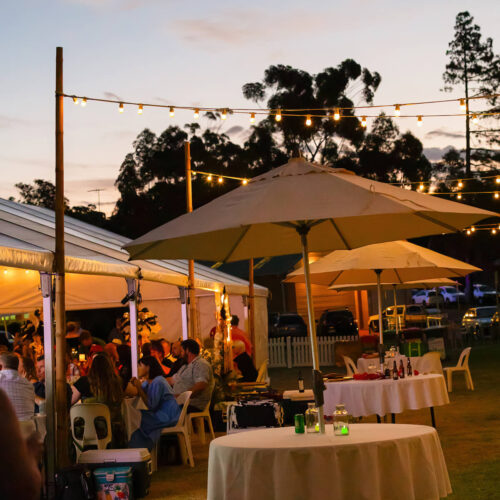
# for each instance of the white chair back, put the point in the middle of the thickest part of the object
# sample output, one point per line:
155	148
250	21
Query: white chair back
89	413
262	375
183	399
350	366
431	362
463	361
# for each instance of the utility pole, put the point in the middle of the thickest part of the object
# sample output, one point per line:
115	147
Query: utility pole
98	191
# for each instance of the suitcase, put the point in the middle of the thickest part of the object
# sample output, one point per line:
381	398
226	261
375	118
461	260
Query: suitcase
114	483
139	459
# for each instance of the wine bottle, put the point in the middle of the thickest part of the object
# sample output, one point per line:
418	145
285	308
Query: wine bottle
301	382
394	371
401	369
409	370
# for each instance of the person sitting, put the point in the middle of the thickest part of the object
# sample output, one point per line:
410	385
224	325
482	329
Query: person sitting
163	410
106	388
243	362
238	334
112	351
178	357
18	389
27	369
157	352
195	376
116	334
40	385
146	349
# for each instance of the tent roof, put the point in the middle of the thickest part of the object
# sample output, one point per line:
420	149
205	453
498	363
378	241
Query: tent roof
27	241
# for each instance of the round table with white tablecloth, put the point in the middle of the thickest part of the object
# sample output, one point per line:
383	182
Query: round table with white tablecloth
380	397
376	462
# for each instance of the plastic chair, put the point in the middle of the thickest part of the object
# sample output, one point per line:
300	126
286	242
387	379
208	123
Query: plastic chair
462	366
90	413
200	419
431	362
181	429
262	376
350	366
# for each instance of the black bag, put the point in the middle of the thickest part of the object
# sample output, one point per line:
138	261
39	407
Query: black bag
75	483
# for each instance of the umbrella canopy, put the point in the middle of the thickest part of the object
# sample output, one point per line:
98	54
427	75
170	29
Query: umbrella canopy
433	283
399	262
341	211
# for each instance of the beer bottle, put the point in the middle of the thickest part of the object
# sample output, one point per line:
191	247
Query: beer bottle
301	382
409	370
402	369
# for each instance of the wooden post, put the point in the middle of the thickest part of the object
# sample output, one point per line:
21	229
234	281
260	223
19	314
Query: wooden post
251	308
60	309
193	330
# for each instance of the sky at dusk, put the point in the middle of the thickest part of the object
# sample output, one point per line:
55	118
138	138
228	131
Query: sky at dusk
200	53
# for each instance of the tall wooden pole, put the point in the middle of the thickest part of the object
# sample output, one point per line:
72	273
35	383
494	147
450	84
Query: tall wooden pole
60	312
251	308
189	201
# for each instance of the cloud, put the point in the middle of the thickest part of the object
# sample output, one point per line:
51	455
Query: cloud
110	95
443	132
237	129
10	122
435	154
88	184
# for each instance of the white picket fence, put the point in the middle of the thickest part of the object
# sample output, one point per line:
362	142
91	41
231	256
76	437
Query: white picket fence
296	351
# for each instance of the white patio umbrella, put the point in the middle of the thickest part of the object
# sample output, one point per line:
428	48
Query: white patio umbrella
394	262
297	207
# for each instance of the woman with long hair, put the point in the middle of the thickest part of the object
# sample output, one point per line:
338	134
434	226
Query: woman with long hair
27	369
163	410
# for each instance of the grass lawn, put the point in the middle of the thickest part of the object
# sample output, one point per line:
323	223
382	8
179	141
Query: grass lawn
469	429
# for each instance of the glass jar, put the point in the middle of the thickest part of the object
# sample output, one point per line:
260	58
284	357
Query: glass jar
341	421
312	418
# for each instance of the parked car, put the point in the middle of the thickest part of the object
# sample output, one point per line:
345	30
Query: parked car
407	315
476	319
287	324
333	322
451	295
427	298
484	294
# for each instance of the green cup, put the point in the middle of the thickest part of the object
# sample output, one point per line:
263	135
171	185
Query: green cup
299	424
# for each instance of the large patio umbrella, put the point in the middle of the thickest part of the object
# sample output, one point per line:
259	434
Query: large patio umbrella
394	262
297	207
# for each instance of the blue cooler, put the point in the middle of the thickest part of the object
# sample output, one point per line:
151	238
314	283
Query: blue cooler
138	459
114	483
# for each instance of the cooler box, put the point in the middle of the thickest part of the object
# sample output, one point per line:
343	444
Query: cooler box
114	483
138	459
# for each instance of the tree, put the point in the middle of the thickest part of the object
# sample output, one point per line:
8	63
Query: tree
472	64
41	194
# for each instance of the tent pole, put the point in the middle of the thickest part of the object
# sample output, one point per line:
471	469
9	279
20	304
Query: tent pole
48	347
132	306
396	309
251	302
184	318
378	272
60	309
312	323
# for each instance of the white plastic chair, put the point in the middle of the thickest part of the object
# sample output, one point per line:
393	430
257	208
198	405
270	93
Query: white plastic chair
262	376
181	429
350	366
462	366
90	412
200	421
431	363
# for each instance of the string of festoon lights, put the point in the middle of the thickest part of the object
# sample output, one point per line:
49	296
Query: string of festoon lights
492	228
209	177
309	114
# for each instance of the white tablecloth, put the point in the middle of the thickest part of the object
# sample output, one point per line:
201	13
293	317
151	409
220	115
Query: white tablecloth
131	411
380	397
375	462
419	363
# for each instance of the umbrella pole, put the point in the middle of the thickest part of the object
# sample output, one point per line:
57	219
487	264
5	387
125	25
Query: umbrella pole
379	300
396	309
310	314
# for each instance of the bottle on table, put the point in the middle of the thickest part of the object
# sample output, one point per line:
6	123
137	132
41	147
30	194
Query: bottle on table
401	369
341	421
394	370
312	418
382	361
409	369
301	382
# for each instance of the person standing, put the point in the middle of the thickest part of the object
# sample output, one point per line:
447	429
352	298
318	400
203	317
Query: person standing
238	334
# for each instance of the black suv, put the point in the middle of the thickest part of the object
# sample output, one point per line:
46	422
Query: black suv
337	322
286	324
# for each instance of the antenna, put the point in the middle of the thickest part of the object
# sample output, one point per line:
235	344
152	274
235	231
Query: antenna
98	191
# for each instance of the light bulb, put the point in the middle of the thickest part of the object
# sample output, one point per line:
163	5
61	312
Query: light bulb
75	100
419	120
460	184
397	110
308	121
252	118
493	231
84	102
474	118
139	109
277	117
172	111
468	232
244	182
363	122
497	180
220	180
120	108
224	114
472	228
498	226
459	196
5	271
196	113
462	104
421	187
496	195
209	178
336	114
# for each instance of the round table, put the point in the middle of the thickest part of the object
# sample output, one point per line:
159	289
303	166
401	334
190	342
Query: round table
380	397
376	462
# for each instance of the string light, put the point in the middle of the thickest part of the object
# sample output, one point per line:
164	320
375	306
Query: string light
252	117
459	196
196	113
75	100
278	115
421	187
397	110
139	110
472	228
244	182
496	195
84	102
172	112
460	184
308	121
220	180
363	121
462	104
224	114
120	108
419	120
468	232
497	180
474	118
209	178
336	114
493	231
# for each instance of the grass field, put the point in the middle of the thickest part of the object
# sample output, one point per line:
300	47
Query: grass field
469	429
